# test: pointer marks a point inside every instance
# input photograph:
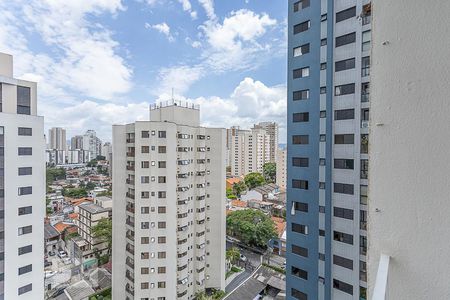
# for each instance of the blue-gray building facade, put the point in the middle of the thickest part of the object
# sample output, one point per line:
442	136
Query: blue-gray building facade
328	110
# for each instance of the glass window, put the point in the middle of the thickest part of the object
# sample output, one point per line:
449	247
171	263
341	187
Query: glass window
345	64
302	27
301	95
345	89
23	100
366	37
300	117
25	131
299	51
343	213
344	114
345	39
302	4
301	73
346	14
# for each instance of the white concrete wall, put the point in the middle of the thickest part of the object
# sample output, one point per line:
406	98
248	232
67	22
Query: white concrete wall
409	148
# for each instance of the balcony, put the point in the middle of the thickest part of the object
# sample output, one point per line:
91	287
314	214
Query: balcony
364	174
179	295
129	262
130	208
183	175
129	289
183	202
130	154
130	223
129	275
130	181
130	168
130	140
201	173
130	235
363	225
131	196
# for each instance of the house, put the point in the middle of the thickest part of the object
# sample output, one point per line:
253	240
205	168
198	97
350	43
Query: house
238	205
263	193
279	244
264	206
231	181
51	238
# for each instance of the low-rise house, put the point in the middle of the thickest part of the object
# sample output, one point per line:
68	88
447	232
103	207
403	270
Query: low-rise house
96	191
237	205
279	244
231	181
51	237
263	193
55	201
264	206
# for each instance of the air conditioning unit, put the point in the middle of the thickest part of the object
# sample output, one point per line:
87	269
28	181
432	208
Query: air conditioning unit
364	124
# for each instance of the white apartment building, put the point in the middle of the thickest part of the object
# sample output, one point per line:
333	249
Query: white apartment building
169	205
76	142
22	187
281	169
250	150
92	143
57	138
271	129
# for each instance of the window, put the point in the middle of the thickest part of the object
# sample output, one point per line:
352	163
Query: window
301	50
299	5
161	149
345	64
25	171
344	138
161	255
323	90
345	89
300	139
301	206
364	168
366	37
364	143
145	255
322	162
145	149
26	210
365	66
161	134
144	285
300	117
161	164
344	114
145	179
300	162
161	225
300	250
145	240
363	194
301	73
145	134
25	249
24	131
343	188
321	256
323	66
161	239
301	95
323	42
362	245
161	270
321	185
161	209
321	209
321	232
145	164
363	220
346	14
299	273
342	286
145	210
343	213
161	179
345	39
23	100
25	269
365	91
299	184
302	27
161	284
145	195
145	225
323	17
25	151
27	190
298	295
343	237
323	114
344	164
24	289
144	270
366	13
323	138
303	229
161	195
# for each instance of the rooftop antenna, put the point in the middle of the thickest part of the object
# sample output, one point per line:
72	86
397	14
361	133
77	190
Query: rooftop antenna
172	95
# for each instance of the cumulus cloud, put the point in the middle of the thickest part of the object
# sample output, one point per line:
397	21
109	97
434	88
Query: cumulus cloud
208	6
162	28
179	78
187	7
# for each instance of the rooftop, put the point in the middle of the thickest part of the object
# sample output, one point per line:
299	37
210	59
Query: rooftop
92	208
50	232
173	102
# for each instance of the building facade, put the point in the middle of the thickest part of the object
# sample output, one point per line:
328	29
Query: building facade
281	169
57	139
271	129
76	142
92	144
22	187
169	205
328	109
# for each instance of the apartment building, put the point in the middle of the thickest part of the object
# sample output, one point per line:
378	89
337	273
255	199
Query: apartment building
76	142
169	205
281	169
328	110
271	129
57	139
250	150
22	187
92	144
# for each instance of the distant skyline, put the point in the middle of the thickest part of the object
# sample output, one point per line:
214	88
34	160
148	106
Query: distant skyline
99	63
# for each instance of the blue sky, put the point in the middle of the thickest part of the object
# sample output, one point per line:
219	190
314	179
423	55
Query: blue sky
101	62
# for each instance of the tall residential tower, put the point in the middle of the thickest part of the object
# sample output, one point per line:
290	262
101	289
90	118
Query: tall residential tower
169	205
22	187
328	109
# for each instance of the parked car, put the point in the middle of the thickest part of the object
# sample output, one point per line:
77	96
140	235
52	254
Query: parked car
243	257
47	263
62	253
67	260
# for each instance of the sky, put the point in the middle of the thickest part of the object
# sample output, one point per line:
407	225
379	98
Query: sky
102	62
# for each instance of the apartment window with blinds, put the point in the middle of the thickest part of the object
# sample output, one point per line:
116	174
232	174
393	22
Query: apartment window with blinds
25	171
302	4
302	27
343	188
26	210
301	95
344	114
25	249
343	237
342	286
299	51
344	138
25	289
343	262
343	213
26	190
345	64
301	206
23	100
299	273
346	14
345	89
298	294
303	229
25	230
300	250
300	117
22	151
24	131
300	139
347	164
301	73
300	184
345	39
300	162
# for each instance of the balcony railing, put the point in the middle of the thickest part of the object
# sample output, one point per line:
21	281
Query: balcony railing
363	225
129	290
364	174
130	209
130	154
366	20
131	196
130	237
130	262
379	291
362	250
129	181
129	276
128	222
130	168
130	140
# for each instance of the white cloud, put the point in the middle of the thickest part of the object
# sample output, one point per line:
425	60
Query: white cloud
187	6
208	6
162	28
179	78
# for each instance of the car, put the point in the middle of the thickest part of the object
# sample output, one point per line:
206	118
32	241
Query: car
49	274
51	253
67	260
243	257
47	263
62	253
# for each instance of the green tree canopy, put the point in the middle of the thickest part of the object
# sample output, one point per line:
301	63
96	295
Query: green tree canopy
75	192
103	231
90	186
251	226
230	194
233	254
270	172
253	180
239	188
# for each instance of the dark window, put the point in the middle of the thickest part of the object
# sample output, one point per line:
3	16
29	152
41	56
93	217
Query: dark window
343	188
300	117
302	27
161	134
323	66
301	95
343	237
25	131
25	171
301	50
25	249
323	114
300	139
346	89
298	295
344	164
303	229
346	14
321	209
23	100
344	213
299	273
301	206
321	232
365	91
145	149
25	151
299	184
299	5
364	168
344	114
365	66
24	289
161	149
25	269
161	195
344	65
161	164
300	162
301	72
344	139
323	89
300	250
26	210
145	134
161	179
345	39
27	190
323	42
342	286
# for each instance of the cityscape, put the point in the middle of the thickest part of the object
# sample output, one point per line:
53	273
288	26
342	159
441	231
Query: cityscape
322	175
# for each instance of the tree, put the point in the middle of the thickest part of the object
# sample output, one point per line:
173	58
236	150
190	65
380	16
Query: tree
90	186
103	231
230	194
53	174
270	172
253	180
251	227
232	254
239	187
75	192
